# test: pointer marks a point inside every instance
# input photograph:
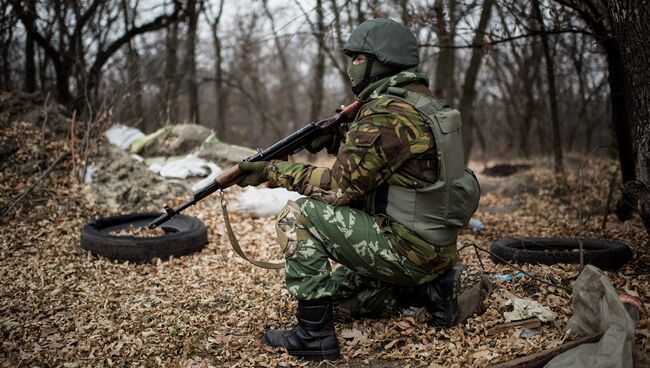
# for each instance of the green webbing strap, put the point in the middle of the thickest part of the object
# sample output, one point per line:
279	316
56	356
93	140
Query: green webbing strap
235	243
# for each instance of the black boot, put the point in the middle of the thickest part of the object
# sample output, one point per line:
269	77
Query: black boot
443	298
438	296
314	338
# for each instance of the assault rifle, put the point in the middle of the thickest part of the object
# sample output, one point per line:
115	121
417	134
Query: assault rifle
289	145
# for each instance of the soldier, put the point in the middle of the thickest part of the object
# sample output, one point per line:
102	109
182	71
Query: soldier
388	211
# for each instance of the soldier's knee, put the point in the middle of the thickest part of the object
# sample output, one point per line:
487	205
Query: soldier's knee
309	208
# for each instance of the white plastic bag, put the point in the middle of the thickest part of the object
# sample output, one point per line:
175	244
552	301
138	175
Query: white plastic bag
122	135
598	309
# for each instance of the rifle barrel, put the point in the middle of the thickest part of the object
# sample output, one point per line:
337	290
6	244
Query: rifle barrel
286	146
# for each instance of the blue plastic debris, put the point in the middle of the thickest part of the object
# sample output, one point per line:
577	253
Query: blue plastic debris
476	225
509	276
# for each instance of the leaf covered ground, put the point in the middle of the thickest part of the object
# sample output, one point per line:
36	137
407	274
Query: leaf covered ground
60	306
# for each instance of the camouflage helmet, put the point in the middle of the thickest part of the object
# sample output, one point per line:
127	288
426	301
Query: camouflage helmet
388	41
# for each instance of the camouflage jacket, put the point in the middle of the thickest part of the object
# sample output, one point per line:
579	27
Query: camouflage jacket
388	143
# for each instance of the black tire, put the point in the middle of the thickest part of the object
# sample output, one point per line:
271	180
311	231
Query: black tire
184	235
603	254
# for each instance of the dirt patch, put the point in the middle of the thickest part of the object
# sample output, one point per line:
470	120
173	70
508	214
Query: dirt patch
30	107
7	148
119	183
504	169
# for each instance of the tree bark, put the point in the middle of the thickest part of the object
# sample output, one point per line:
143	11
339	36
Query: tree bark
343	59
6	69
43	72
134	103
287	75
30	64
631	20
220	92
404	5
469	86
620	112
317	90
172	76
631	25
550	74
193	11
445	85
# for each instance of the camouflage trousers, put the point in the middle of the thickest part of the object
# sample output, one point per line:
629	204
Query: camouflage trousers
368	265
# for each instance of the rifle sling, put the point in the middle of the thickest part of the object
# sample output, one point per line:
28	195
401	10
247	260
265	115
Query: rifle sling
237	248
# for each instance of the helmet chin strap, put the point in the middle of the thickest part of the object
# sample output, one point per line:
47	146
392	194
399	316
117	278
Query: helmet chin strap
367	78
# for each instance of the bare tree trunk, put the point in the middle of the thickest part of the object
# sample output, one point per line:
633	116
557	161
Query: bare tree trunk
529	105
469	86
531	72
598	19
30	65
343	59
43	62
7	23
445	85
317	91
632	24
550	71
172	75
193	12
631	27
541	110
404	5
509	92
287	75
361	17
220	92
6	69
134	104
621	120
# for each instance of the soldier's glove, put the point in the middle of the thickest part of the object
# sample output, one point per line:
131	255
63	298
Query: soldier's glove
255	173
331	141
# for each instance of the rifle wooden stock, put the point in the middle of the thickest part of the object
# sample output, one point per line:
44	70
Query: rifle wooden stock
289	145
230	177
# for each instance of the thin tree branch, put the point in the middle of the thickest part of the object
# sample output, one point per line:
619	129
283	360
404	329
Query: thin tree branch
159	22
28	22
509	39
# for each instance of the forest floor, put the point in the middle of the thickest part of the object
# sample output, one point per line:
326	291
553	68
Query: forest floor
61	306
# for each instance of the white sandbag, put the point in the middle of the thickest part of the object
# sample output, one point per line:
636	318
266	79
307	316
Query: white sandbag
187	166
122	135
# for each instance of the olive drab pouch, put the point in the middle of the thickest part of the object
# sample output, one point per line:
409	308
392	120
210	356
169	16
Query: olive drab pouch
285	228
464	191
